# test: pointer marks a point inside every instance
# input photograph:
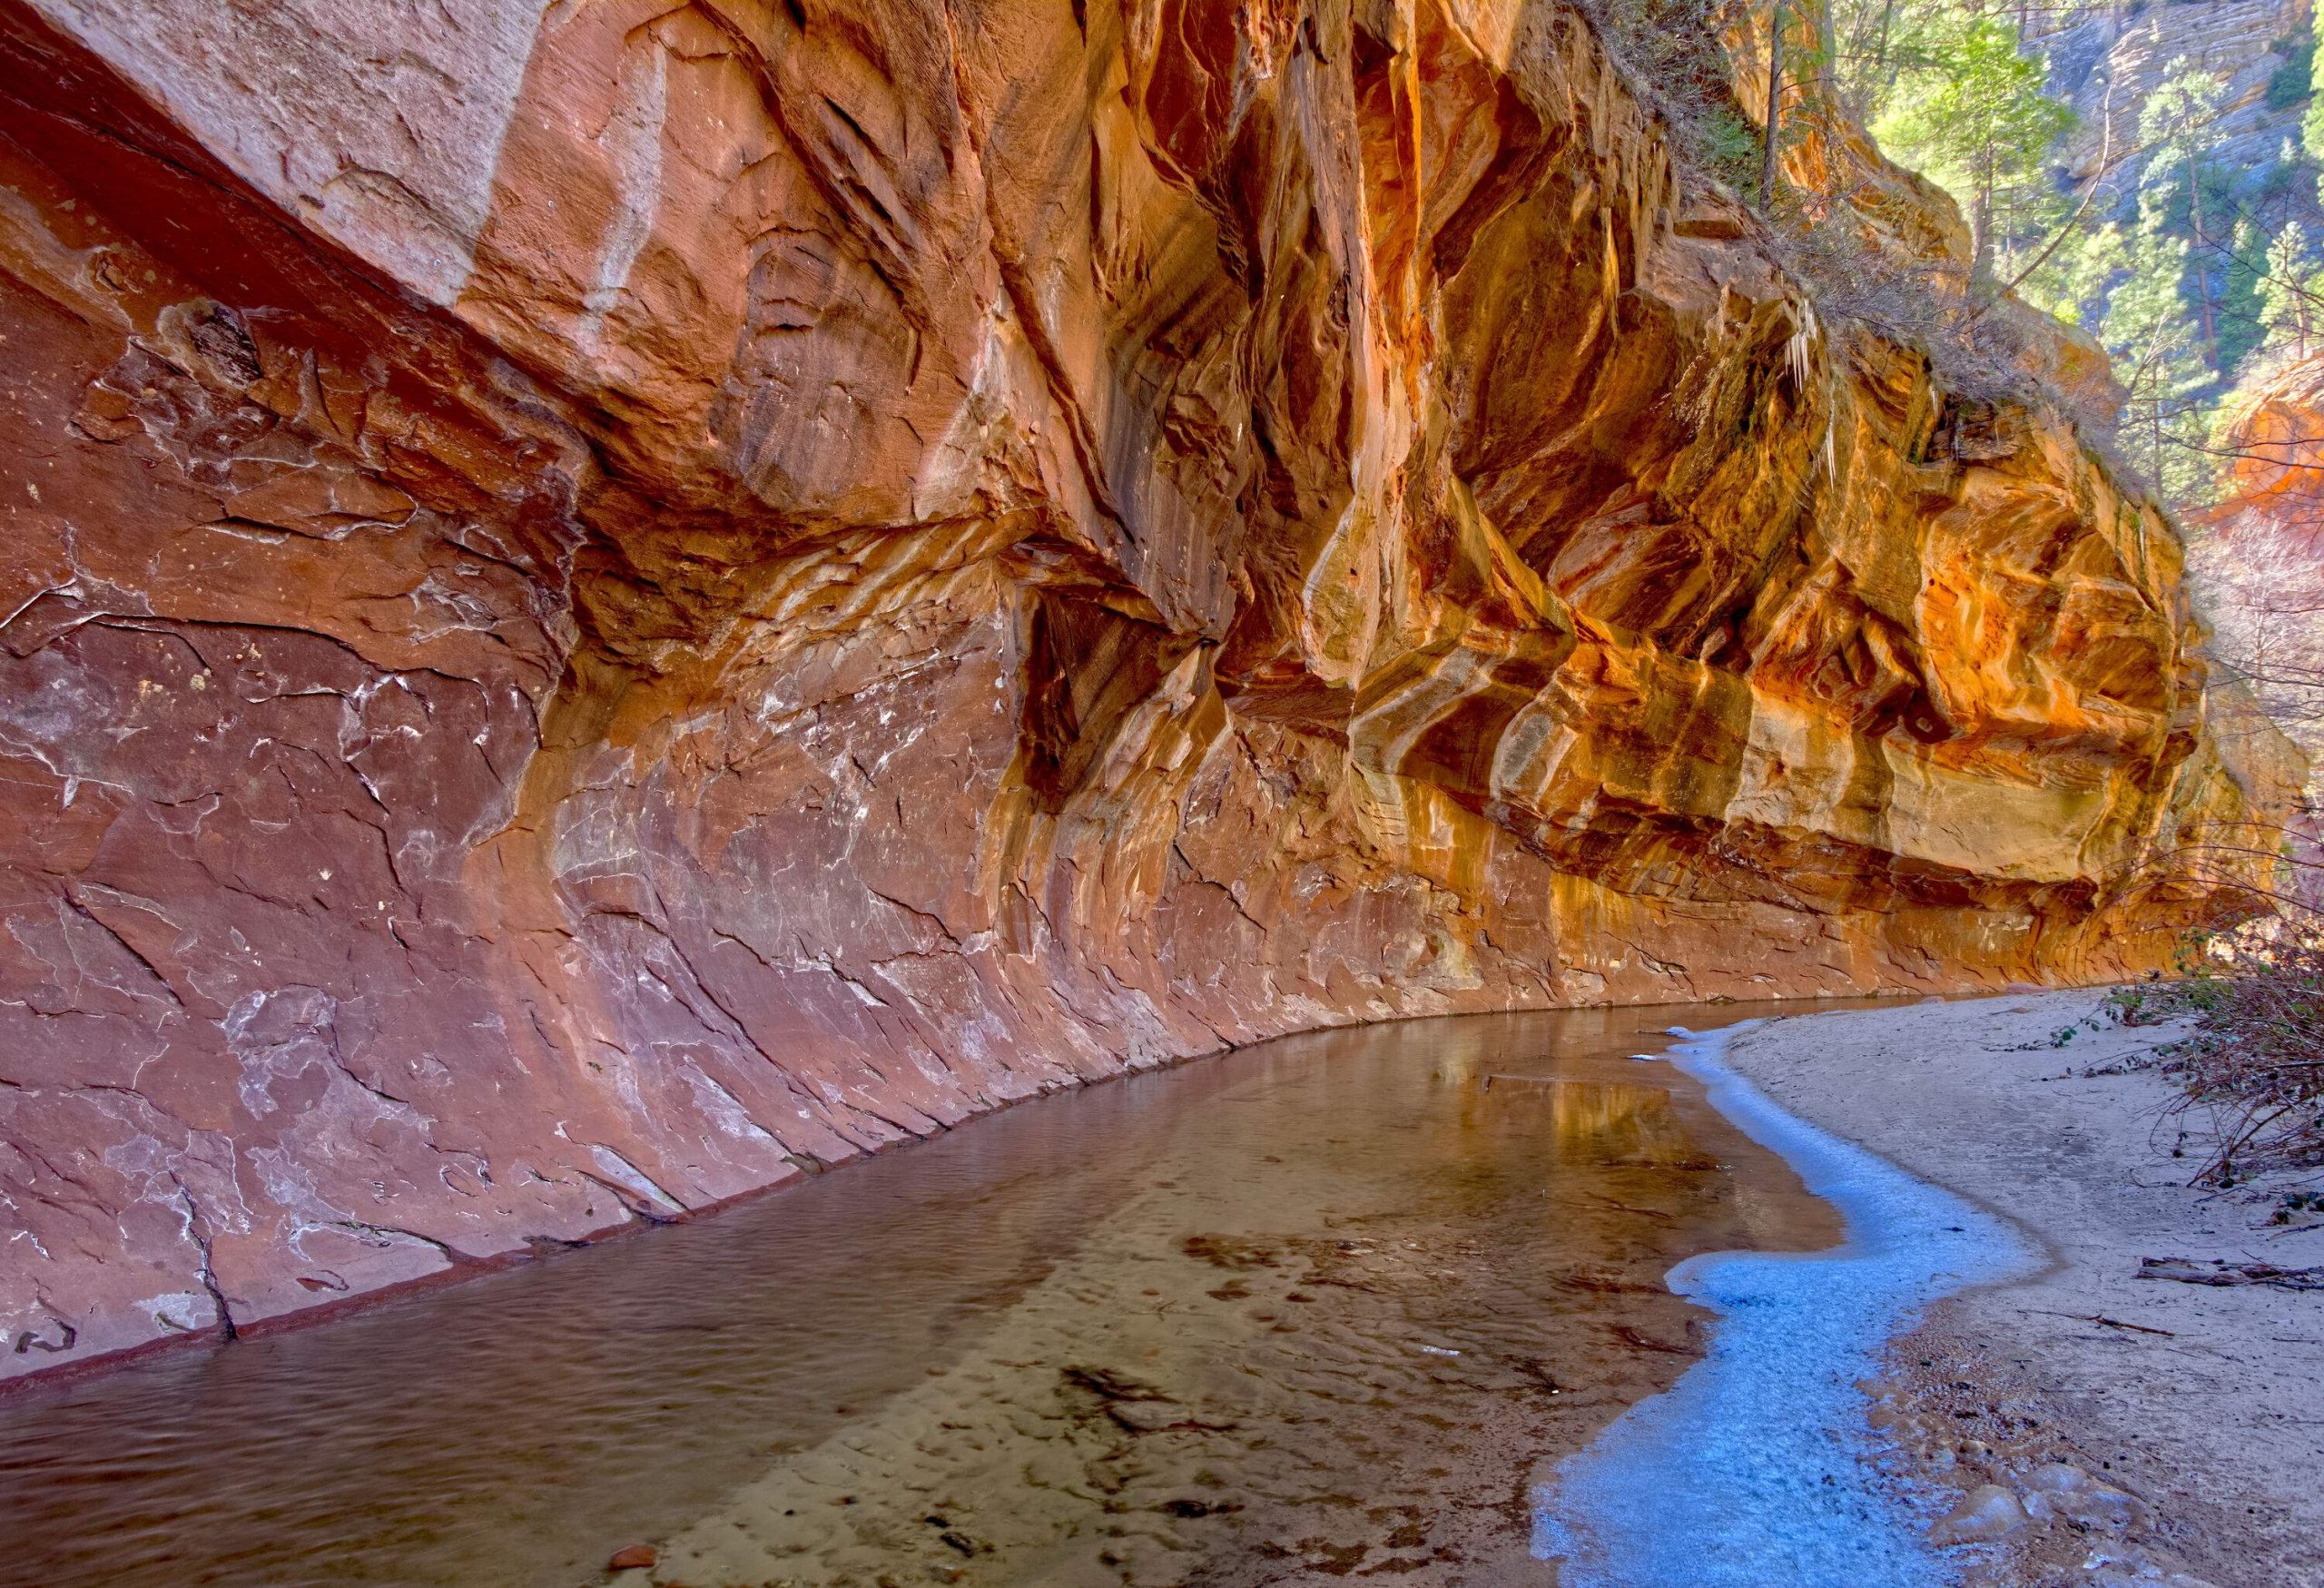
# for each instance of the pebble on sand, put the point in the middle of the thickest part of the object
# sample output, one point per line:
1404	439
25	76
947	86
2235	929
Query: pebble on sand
2059	1492
635	1556
1989	1513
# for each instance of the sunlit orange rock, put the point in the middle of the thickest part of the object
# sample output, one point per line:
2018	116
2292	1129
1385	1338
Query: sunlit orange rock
612	603
2272	471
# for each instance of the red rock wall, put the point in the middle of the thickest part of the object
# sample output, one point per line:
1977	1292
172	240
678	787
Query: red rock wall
614	604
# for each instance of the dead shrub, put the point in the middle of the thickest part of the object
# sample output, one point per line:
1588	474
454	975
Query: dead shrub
2251	1076
1885	275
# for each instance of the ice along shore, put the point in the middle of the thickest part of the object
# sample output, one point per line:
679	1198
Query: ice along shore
1762	1463
2003	1171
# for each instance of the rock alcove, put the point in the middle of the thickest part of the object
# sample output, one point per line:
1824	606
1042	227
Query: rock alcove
611	604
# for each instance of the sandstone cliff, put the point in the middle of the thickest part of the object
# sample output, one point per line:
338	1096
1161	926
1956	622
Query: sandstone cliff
2259	576
2106	60
610	604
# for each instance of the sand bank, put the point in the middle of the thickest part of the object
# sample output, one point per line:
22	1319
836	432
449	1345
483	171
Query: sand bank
2197	1413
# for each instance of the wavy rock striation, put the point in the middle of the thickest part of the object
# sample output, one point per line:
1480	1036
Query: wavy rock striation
614	603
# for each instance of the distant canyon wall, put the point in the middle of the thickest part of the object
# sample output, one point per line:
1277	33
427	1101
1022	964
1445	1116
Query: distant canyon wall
612	603
2105	61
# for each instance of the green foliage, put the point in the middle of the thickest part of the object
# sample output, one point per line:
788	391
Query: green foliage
2184	297
2176	124
2292	82
2288	293
2240	328
2145	1005
2073	282
2177	117
1729	147
2181	188
2156	346
2283	177
1971	114
1672	54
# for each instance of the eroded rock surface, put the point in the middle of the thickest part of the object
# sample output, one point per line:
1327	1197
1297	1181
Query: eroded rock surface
611	604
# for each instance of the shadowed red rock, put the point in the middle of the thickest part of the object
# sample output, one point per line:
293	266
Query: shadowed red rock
636	1557
611	605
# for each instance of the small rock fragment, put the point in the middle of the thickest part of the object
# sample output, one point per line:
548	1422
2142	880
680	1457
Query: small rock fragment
2060	1493
2058	1477
2100	1507
1989	1513
633	1558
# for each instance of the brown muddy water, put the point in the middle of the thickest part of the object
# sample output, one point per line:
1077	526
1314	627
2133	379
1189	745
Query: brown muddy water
1328	1306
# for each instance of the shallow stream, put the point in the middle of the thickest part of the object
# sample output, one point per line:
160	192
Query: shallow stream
1333	1306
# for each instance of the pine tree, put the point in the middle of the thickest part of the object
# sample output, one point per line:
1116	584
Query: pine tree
2177	124
2157	356
2287	294
1973	116
2073	283
2240	328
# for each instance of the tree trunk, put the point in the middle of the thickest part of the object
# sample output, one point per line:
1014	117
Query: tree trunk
1771	149
2202	267
1981	213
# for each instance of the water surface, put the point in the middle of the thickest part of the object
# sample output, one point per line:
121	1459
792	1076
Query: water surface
1331	1305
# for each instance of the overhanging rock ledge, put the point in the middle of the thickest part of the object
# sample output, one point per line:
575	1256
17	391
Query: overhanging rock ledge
607	604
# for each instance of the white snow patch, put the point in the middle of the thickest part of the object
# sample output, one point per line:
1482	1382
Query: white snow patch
1757	1466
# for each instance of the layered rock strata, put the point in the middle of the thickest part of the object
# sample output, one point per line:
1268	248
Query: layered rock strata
612	604
2107	61
2260	578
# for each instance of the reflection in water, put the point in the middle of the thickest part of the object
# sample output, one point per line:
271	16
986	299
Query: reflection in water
1611	1122
1327	1306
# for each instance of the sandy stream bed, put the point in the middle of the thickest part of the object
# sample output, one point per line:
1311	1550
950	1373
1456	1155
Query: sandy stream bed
2097	1430
2205	1405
